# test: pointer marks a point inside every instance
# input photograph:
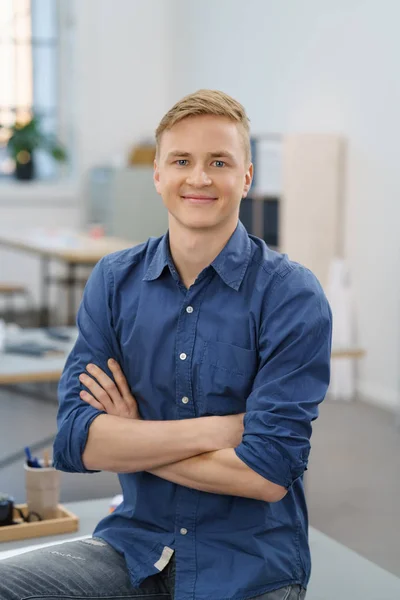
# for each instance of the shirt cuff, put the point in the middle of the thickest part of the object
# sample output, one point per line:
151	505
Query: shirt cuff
263	458
71	439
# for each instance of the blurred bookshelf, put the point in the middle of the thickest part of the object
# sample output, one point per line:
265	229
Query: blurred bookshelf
297	200
260	215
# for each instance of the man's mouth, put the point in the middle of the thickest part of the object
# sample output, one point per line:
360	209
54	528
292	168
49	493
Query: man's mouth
199	198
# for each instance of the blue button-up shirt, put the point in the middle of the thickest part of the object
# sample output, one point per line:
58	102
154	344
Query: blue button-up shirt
256	339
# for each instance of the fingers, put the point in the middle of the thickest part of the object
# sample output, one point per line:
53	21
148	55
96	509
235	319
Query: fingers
103	396
102	387
86	397
130	409
111	395
119	378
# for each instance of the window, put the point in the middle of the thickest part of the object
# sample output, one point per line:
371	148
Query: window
29	76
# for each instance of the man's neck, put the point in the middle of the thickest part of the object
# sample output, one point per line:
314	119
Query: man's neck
194	250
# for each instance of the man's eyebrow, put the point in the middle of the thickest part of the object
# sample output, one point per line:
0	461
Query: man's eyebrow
222	154
177	153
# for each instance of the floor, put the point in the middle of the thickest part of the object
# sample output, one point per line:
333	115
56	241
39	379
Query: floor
353	481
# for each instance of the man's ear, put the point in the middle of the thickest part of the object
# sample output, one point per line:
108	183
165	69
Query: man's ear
156	177
248	178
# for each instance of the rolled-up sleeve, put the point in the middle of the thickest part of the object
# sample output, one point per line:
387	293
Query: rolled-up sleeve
293	377
96	343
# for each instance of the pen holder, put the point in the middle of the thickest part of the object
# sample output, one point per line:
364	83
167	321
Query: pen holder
42	491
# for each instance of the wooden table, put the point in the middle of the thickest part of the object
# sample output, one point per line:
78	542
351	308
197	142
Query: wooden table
347	353
70	248
19	368
19	371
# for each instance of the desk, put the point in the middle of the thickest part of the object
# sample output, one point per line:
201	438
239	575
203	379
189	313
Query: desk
347	353
18	368
338	573
72	249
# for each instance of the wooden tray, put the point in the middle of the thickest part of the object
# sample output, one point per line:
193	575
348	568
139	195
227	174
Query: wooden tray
66	522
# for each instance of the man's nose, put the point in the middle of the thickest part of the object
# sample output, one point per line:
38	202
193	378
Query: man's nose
198	177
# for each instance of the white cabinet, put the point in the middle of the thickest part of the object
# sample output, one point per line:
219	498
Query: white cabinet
311	211
297	206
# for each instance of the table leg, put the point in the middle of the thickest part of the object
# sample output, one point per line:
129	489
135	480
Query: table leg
44	316
71	290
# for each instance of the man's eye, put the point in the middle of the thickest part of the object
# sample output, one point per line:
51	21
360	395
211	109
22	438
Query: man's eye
219	163
182	162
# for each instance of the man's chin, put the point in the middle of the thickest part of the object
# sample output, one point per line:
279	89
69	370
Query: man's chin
202	222
198	224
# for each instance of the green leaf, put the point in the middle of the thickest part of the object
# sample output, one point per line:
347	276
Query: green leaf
28	136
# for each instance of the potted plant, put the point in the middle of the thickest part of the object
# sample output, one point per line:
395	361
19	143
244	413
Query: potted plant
24	140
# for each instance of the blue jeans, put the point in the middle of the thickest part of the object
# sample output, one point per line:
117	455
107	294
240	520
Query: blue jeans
91	569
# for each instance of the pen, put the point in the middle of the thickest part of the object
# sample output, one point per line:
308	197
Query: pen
30	460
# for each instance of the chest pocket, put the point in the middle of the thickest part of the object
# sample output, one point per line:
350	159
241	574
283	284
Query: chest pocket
226	376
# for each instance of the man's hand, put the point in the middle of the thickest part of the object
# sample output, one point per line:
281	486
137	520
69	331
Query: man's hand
113	397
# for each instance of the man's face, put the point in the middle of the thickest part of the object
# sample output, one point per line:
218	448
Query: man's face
201	172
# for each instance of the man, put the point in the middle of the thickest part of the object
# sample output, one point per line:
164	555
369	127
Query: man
221	352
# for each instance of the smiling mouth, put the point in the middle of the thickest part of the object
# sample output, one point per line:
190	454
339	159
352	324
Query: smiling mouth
199	198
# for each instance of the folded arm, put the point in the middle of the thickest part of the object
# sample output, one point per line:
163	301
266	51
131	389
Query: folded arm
221	472
217	471
123	445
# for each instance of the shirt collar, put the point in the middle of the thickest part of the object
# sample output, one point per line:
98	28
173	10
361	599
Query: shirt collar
160	260
230	264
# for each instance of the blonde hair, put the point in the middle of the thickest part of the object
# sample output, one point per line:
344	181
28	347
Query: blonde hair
207	102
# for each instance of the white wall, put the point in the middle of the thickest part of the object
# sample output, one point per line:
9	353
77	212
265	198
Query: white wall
122	61
321	66
117	93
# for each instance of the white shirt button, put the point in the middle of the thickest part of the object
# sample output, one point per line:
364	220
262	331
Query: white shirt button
189	309
183	356
183	531
185	399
